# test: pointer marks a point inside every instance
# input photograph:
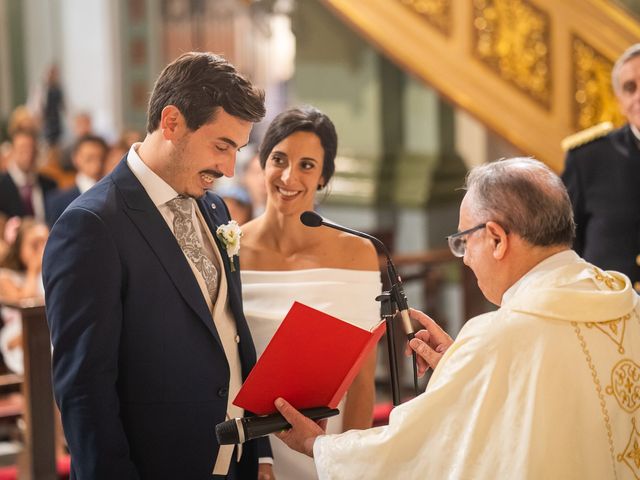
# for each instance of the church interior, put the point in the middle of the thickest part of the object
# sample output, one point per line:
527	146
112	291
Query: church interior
420	92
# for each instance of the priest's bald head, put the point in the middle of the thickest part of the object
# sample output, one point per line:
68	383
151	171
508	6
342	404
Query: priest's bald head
515	213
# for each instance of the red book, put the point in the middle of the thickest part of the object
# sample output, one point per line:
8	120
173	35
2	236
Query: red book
310	362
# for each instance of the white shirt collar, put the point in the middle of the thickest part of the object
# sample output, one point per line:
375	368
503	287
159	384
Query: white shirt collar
19	177
635	131
550	263
84	182
158	190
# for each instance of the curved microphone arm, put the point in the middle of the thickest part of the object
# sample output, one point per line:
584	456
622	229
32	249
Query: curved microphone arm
312	219
396	294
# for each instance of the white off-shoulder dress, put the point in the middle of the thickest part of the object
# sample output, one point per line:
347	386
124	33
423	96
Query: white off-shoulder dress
268	296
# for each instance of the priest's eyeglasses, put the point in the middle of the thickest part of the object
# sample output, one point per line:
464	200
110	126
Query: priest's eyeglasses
458	241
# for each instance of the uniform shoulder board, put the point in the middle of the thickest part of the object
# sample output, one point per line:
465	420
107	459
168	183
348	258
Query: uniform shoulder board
585	136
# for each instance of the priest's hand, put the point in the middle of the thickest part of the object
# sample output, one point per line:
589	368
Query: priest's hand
429	344
303	432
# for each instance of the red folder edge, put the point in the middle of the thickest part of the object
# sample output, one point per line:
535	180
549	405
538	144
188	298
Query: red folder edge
376	334
305	328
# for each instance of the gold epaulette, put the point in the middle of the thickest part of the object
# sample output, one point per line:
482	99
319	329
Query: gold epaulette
586	136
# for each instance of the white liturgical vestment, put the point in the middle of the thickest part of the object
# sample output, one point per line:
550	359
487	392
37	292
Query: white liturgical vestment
546	387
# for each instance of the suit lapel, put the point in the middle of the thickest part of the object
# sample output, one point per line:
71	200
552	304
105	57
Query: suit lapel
152	226
214	216
633	144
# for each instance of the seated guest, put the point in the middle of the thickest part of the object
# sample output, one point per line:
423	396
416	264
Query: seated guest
22	190
546	387
4	246
82	125
21	118
20	278
88	158
284	261
8	231
119	148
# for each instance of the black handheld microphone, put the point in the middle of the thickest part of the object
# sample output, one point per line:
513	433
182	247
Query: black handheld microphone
240	430
312	219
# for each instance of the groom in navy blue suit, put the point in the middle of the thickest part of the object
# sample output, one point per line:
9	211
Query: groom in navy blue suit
150	343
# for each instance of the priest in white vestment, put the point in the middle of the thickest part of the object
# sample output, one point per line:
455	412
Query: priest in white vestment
546	387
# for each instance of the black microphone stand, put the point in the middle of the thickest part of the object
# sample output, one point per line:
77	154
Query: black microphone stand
391	301
387	313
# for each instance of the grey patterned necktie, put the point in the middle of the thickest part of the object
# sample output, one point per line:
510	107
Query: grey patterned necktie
185	232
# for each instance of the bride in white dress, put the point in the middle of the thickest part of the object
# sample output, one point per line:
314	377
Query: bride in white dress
283	261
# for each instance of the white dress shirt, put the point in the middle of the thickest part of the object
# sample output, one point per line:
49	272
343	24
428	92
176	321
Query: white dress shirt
84	182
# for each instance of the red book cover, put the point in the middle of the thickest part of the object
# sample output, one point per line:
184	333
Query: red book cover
310	362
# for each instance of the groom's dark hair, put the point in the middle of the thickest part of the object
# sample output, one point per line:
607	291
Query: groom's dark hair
198	83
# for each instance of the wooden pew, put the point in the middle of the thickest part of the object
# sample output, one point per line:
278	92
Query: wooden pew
37	460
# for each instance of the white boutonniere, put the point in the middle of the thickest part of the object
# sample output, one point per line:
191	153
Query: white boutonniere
230	234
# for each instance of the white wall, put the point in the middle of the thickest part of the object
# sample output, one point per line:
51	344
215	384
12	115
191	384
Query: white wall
41	26
81	37
471	139
5	77
91	49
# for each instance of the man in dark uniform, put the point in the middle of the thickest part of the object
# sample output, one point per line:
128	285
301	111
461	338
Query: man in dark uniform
602	175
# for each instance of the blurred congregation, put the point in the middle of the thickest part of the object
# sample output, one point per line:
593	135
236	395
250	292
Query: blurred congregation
420	93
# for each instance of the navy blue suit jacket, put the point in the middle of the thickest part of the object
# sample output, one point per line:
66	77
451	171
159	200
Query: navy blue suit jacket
58	201
603	181
139	371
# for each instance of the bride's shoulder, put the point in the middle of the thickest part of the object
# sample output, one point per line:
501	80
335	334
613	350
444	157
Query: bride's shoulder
353	252
250	226
250	231
250	241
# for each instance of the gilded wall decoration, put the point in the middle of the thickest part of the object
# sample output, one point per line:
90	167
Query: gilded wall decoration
435	12
513	38
593	99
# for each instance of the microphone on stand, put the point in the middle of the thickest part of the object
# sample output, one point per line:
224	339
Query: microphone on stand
312	219
240	430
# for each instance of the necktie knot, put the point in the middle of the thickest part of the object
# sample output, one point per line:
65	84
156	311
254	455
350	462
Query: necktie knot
180	205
